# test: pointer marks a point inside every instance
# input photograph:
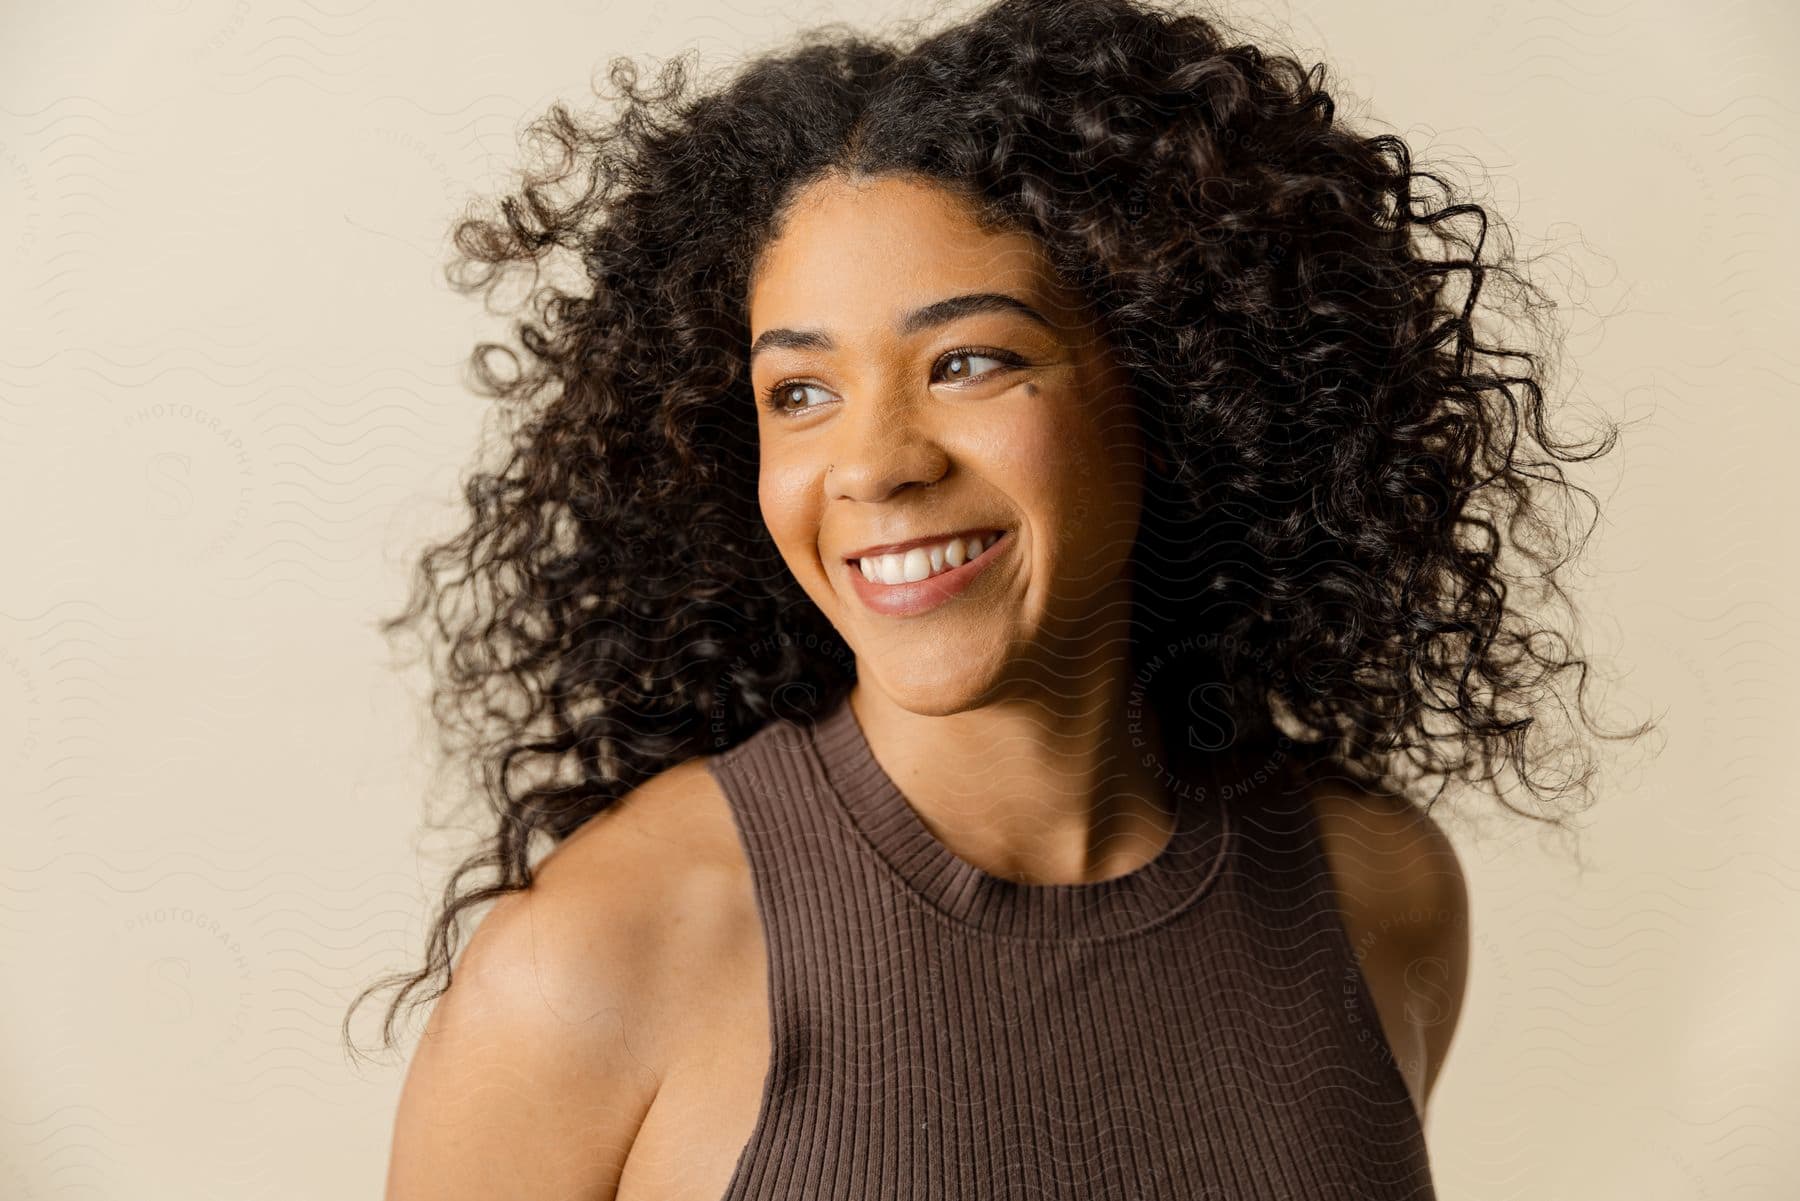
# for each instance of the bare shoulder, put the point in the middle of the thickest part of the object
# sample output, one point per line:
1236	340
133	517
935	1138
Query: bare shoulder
1405	908
542	1058
1395	861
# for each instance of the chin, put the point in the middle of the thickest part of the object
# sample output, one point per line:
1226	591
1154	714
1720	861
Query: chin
934	689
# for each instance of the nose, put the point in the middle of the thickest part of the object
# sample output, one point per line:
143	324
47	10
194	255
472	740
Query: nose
880	447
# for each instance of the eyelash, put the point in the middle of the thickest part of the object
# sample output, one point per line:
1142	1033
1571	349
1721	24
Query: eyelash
771	397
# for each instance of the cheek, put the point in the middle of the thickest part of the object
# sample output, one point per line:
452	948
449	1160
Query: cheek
788	495
1062	480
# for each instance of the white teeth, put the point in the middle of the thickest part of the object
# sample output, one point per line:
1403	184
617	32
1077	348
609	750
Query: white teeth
922	562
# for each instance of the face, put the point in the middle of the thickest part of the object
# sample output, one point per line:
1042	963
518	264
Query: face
932	379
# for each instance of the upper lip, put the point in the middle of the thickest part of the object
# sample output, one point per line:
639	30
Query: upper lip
890	548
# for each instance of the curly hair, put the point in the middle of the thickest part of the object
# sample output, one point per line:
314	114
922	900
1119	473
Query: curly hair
1358	489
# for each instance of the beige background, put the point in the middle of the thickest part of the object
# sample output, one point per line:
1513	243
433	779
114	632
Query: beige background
231	405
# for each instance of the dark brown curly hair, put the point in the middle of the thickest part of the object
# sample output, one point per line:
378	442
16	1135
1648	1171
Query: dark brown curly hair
1360	490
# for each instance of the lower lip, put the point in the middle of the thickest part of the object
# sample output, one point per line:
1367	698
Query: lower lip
922	596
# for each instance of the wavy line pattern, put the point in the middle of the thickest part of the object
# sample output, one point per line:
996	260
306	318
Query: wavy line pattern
231	399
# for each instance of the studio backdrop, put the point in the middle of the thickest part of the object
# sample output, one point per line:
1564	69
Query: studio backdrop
234	405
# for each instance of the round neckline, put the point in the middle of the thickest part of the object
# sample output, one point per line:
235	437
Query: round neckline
1147	896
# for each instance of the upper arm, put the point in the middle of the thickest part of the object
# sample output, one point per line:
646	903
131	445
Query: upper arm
1406	910
1433	935
540	1060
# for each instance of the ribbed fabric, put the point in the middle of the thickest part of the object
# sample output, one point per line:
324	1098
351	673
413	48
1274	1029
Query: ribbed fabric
1197	1028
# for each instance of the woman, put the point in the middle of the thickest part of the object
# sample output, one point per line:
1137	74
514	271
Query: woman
990	554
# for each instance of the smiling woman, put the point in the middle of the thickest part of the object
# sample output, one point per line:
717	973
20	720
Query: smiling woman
1035	440
988	570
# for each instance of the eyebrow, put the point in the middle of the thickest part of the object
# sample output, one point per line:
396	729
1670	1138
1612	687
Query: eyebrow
940	312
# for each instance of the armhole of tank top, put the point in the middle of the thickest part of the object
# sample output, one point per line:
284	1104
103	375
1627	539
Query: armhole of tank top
1319	866
722	767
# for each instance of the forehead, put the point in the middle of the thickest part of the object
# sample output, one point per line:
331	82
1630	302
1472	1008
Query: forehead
853	254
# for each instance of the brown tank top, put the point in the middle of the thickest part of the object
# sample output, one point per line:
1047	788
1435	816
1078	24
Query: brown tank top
1196	1028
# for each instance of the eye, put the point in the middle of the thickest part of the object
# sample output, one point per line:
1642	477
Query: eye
968	355
779	398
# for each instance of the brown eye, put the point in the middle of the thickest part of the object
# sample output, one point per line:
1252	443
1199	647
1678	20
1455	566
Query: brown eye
780	398
959	365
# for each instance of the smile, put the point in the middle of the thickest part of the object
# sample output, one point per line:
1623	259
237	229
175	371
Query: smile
924	577
923	562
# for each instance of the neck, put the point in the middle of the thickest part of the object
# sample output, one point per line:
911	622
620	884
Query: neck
1061	787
